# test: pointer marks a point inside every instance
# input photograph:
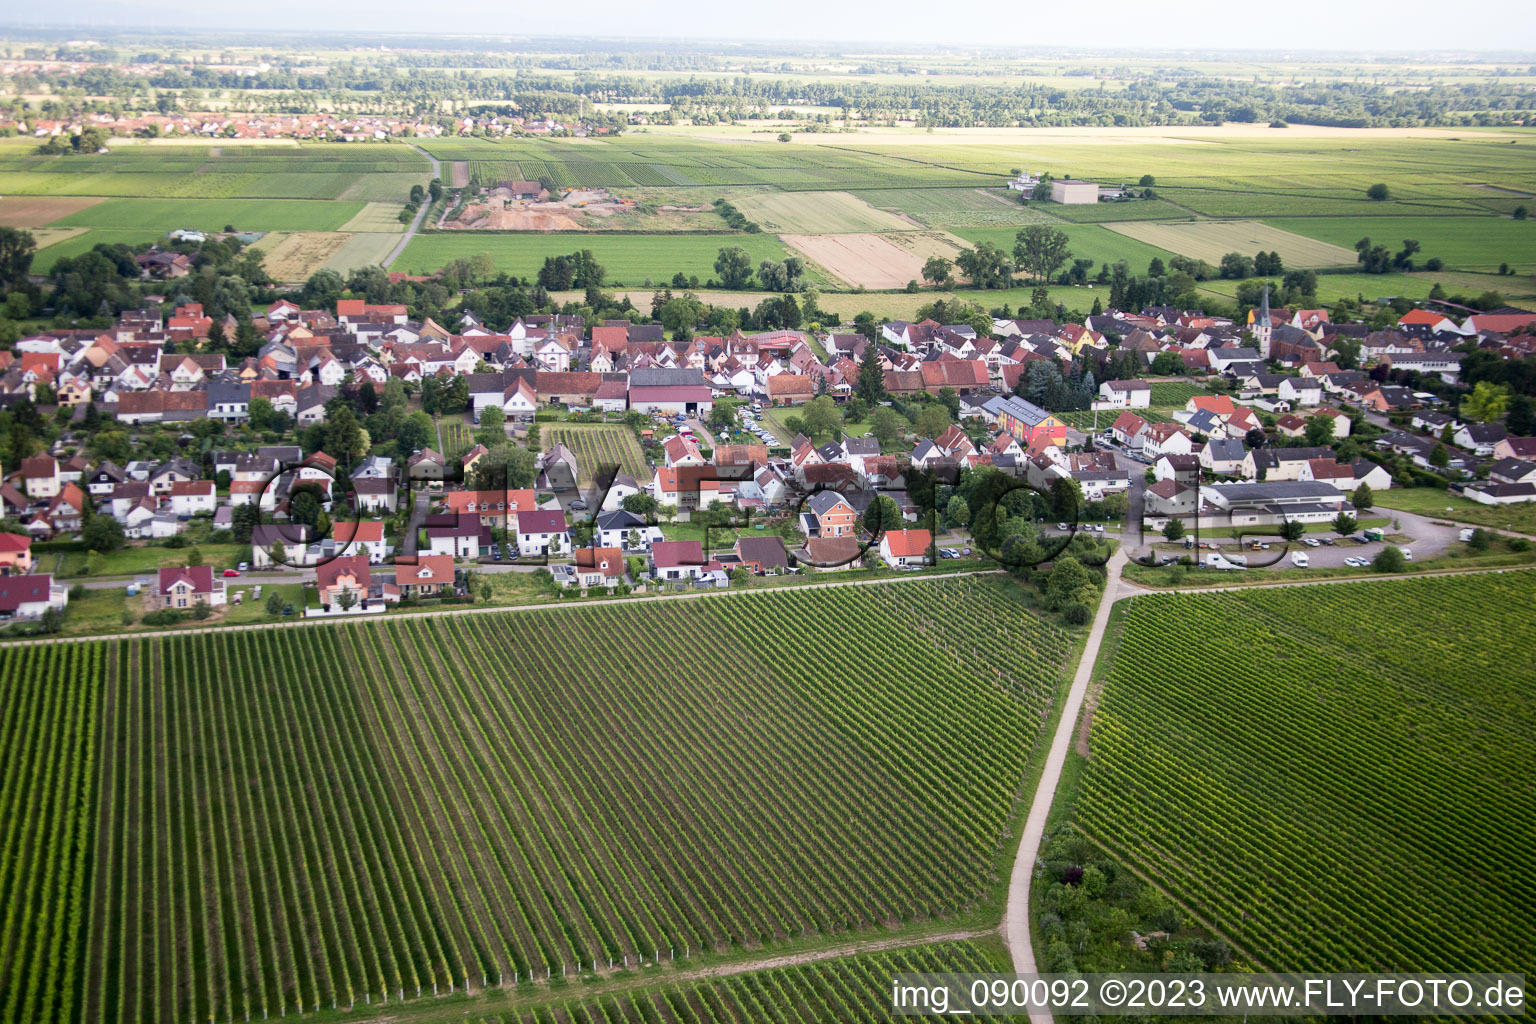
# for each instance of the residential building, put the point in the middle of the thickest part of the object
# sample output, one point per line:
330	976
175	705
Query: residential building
185	587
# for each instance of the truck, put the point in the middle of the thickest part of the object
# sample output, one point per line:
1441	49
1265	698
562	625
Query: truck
1299	559
1219	561
1374	535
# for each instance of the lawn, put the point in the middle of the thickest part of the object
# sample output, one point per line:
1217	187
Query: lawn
439	784
1467	243
1429	501
127	561
1310	770
377	216
628	259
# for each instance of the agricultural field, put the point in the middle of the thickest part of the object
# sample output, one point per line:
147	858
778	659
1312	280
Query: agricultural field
363	248
377	216
844	989
290	817
1464	243
165	215
818	213
48	800
37	211
874	261
294	255
629	259
956	207
1321	771
602	445
455	439
1175	393
1087	241
1210	240
62	242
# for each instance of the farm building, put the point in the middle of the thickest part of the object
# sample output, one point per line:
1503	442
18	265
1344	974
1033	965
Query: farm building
1071	192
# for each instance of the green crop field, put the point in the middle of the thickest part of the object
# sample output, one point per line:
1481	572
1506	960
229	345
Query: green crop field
598	445
1087	241
956	207
817	213
1467	243
1327	774
214	214
293	816
629	259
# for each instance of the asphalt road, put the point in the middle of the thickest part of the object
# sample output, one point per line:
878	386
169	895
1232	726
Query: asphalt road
410	232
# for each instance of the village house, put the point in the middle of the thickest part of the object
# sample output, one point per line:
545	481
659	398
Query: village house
1126	394
344	582
182	588
15	554
30	596
900	548
542	533
828	514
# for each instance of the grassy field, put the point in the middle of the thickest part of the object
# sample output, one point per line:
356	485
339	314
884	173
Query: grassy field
1210	240
1467	243
215	214
1444	505
629	259
294	255
377	216
1088	241
1311	769
399	804
818	212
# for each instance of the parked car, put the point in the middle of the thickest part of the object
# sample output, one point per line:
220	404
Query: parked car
578	505
1325	541
243	566
1061	526
1407	553
231	572
1311	542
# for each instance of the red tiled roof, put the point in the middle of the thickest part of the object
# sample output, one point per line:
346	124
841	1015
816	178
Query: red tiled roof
908	543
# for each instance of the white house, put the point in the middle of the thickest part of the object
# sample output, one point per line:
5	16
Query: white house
192	497
1300	391
29	596
905	547
1126	394
542	533
615	530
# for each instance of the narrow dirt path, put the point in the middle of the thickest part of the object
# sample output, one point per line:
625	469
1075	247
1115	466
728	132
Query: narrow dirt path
410	232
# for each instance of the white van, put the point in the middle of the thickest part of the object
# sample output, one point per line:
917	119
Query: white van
1299	559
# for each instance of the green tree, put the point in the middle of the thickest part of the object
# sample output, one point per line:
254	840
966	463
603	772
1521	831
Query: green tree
820	418
886	424
871	383
932	421
275	604
1173	530
1292	530
102	533
1041	250
734	266
1379	192
493	427
1439	456
1344	524
1319	430
17	248
957	512
1389	559
1069	581
504	467
937	270
640	504
1481	540
1363	499
1487	402
883	514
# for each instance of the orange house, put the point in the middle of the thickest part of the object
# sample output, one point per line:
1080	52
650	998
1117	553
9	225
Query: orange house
15	554
827	514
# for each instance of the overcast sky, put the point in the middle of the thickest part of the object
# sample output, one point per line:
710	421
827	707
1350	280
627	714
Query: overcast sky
1300	26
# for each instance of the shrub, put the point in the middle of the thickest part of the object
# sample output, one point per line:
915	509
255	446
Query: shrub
1519	544
1389	559
1077	613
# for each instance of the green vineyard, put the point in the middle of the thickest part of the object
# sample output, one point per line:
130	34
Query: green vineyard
596	446
291	818
1338	777
851	988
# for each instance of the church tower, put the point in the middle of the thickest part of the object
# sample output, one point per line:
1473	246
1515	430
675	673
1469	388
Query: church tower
1261	329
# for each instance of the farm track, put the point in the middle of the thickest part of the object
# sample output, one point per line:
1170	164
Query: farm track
415	225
